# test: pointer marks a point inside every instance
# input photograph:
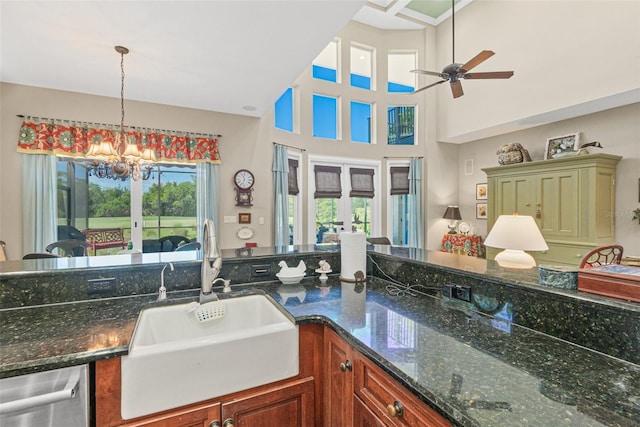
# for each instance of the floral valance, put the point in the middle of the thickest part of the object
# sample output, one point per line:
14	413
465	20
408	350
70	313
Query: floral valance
68	138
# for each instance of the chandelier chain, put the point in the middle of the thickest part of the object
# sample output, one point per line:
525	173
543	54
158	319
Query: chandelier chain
122	92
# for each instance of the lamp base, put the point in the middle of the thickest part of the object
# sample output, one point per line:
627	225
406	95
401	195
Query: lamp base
515	258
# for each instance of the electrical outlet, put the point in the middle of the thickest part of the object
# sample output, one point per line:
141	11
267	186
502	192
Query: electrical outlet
261	270
101	286
461	292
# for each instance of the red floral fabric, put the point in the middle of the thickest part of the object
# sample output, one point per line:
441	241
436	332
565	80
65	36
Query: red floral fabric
74	139
471	245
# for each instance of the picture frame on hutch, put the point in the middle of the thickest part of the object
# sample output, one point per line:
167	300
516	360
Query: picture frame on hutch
562	146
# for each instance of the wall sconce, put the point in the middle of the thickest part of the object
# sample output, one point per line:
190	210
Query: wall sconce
453	215
516	234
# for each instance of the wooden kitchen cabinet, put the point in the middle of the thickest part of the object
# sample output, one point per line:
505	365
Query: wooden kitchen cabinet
572	200
199	416
358	393
388	401
338	380
288	405
363	416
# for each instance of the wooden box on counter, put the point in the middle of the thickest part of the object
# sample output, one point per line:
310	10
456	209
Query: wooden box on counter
616	281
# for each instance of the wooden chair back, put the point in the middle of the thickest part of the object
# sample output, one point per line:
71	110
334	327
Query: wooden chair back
603	255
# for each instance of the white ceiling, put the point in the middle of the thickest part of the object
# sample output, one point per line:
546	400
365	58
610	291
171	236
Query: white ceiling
228	56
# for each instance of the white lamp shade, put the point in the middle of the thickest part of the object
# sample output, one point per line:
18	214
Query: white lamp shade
516	232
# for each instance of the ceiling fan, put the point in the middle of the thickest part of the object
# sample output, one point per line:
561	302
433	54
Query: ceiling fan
453	72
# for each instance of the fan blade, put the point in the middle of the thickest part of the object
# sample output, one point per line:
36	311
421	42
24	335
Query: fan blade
477	60
456	89
489	75
431	73
427	87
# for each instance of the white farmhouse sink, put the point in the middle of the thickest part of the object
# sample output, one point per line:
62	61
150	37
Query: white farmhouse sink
175	360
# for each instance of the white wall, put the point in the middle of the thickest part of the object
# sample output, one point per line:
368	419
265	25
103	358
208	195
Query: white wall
564	53
618	130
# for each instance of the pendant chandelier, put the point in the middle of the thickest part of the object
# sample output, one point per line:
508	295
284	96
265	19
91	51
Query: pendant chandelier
122	159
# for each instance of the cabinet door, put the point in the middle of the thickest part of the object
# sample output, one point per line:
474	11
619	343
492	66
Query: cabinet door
338	381
363	416
289	405
514	194
557	204
202	417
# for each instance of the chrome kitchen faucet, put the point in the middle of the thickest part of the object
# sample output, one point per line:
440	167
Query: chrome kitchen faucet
211	262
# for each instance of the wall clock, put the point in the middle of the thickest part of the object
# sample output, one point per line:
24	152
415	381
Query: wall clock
244	180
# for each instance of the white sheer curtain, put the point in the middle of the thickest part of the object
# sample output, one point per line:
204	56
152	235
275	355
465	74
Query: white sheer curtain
39	202
208	180
280	170
416	216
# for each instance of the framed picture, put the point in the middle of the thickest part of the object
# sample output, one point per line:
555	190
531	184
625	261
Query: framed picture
481	211
481	191
562	146
244	218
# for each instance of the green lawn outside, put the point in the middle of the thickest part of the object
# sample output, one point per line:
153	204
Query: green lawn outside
171	225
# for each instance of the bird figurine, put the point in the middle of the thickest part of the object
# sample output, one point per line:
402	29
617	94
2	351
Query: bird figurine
285	270
584	147
592	144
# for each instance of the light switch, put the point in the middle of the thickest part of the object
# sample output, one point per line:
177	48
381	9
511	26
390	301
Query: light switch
261	220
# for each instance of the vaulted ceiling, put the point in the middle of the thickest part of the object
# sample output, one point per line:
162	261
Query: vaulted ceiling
228	56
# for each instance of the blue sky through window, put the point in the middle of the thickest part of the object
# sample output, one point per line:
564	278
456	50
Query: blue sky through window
324	73
360	122
397	87
325	117
284	111
362	82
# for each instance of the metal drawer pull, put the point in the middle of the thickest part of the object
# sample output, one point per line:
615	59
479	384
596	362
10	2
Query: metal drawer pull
346	366
69	392
395	410
228	422
214	423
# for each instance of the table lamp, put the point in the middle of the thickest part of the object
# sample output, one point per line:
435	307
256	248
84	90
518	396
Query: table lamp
453	215
516	234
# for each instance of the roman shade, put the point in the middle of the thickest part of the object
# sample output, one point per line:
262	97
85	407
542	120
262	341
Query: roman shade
399	180
327	182
361	183
293	177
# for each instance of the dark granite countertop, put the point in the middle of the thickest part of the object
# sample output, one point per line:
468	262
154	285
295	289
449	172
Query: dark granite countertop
477	369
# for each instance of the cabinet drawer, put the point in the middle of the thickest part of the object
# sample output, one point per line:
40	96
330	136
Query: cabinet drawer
559	254
378	390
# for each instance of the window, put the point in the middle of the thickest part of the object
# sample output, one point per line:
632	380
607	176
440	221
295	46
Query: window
362	191
361	66
327	195
400	125
398	208
344	198
169	203
361	125
166	204
325	66
400	77
284	111
325	117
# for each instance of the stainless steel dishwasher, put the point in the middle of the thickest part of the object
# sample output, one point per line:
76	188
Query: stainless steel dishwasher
53	398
